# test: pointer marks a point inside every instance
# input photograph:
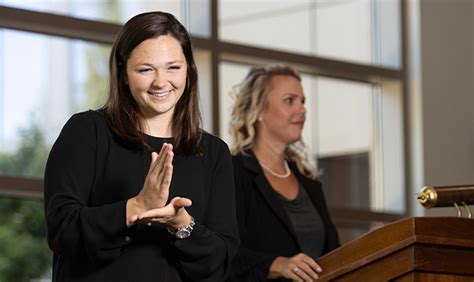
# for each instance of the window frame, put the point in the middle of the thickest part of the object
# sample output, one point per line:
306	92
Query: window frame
220	51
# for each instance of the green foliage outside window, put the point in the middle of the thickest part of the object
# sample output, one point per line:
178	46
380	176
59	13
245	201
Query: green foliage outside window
24	253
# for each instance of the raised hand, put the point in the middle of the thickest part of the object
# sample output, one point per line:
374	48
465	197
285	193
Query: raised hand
300	267
155	191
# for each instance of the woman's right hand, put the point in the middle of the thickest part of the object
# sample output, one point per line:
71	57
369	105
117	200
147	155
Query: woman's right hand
300	267
155	191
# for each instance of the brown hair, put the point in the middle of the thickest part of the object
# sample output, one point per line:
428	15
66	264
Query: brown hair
121	110
250	98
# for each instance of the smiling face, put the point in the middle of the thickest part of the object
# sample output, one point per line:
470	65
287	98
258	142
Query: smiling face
284	114
156	76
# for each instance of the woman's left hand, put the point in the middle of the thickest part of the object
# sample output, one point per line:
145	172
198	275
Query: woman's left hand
173	215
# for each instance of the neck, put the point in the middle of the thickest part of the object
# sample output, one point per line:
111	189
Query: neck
158	126
270	153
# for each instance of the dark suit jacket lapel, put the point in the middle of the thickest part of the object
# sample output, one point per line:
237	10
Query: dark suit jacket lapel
264	187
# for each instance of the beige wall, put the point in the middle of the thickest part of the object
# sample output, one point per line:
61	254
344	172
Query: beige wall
442	101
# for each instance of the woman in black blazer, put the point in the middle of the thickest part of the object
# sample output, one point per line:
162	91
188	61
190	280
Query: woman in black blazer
283	220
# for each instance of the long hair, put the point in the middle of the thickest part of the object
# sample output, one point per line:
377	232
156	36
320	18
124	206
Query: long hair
121	110
250	98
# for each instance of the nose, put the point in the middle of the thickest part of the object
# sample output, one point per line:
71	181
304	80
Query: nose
159	80
302	108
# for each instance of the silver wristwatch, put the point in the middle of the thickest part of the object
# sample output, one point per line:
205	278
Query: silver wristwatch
183	232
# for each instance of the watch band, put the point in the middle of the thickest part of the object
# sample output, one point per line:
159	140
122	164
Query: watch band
183	232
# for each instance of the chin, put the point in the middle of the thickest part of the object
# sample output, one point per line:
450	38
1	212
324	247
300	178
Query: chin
297	136
290	141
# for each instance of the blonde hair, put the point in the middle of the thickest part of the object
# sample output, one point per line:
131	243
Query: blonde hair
250	98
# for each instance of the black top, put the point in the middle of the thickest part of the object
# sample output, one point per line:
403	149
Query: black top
306	221
89	177
265	229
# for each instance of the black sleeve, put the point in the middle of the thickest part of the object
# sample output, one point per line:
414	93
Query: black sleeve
248	265
206	255
74	228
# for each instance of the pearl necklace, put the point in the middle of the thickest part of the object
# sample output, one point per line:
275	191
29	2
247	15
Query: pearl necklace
274	173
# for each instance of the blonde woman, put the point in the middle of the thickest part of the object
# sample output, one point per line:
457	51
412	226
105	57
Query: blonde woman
283	219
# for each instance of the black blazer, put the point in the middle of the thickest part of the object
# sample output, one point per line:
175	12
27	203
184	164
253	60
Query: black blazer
264	227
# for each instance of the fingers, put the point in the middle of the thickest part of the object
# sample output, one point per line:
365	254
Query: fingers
155	191
303	268
166	159
179	202
305	273
166	213
165	166
166	175
301	275
132	220
313	264
163	158
153	163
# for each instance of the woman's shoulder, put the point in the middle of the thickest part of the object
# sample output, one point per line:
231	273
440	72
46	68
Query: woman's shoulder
88	117
246	163
244	156
87	123
82	128
213	148
238	162
238	158
212	142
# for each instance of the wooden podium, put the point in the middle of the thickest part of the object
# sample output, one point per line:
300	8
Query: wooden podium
412	249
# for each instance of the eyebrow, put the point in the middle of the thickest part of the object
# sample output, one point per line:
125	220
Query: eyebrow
175	62
293	94
166	64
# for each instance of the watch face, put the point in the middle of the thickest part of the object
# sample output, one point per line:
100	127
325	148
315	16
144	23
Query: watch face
181	234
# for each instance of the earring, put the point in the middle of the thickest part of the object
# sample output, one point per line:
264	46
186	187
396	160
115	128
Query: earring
260	118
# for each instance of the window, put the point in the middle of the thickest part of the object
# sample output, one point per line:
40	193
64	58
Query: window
344	126
40	89
348	51
359	31
193	14
43	86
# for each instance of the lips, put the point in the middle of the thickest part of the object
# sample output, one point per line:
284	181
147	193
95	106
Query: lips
299	122
159	94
